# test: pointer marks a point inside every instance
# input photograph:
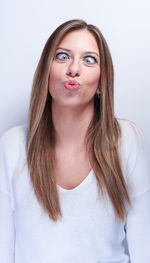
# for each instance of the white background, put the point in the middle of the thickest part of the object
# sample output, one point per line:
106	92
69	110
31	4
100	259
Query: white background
25	27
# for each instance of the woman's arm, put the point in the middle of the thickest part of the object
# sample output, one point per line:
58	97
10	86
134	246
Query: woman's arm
7	233
138	229
137	173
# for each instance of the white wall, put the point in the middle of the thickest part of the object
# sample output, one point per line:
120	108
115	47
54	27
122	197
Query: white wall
25	27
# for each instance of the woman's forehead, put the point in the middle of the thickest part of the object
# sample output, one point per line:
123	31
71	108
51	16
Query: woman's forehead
81	38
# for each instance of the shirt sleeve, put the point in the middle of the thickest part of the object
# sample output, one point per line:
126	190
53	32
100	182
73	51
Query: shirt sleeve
136	168
135	155
138	229
7	230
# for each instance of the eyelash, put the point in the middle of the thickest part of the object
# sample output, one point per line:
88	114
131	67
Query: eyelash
95	60
56	56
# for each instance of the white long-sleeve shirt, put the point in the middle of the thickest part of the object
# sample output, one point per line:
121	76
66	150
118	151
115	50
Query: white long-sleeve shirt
88	231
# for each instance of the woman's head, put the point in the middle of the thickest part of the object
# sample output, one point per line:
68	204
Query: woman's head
40	91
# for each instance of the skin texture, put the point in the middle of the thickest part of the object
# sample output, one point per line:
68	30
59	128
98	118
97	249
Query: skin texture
72	111
75	63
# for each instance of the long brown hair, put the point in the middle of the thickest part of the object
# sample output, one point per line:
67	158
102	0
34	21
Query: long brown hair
102	138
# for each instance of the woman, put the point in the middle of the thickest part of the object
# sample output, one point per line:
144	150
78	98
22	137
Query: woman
75	181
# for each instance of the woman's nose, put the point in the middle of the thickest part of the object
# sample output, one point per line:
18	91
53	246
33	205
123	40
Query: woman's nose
74	69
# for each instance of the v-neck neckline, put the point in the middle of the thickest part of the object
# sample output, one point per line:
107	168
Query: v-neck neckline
82	185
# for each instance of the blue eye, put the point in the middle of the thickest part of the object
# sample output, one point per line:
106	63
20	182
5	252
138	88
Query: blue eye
62	56
90	59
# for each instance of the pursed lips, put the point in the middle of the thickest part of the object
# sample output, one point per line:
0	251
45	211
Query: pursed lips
71	85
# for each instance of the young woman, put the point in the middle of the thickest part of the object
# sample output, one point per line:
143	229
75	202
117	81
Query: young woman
74	181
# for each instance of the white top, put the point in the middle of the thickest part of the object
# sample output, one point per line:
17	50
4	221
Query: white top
88	231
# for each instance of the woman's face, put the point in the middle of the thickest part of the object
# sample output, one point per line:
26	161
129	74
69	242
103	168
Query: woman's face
75	70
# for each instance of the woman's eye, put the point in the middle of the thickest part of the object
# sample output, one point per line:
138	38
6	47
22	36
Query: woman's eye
62	56
90	59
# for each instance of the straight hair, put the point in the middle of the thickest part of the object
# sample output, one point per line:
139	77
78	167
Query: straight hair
102	137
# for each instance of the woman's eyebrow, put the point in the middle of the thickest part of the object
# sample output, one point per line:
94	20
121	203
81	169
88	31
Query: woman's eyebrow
87	52
91	52
65	49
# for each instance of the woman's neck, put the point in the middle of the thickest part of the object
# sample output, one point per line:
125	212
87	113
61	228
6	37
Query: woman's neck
71	125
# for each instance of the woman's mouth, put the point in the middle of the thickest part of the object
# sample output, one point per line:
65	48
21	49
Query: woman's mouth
71	85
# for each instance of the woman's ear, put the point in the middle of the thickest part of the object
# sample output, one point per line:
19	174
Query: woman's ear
98	91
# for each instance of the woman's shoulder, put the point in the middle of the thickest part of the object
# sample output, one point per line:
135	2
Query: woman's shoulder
14	135
129	127
13	144
131	134
12	154
135	157
132	140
